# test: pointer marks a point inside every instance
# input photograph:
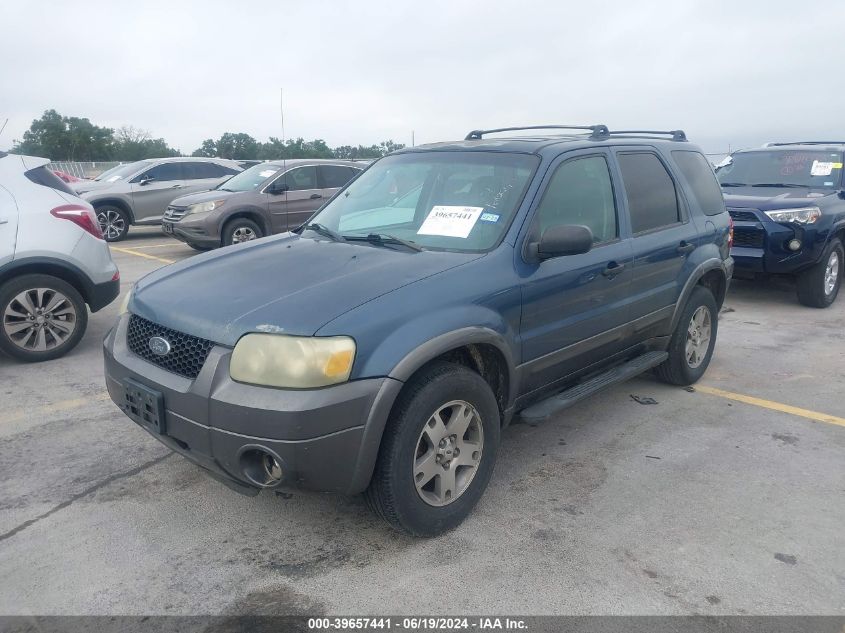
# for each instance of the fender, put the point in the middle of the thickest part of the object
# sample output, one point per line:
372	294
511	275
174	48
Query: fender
702	269
63	270
254	213
112	200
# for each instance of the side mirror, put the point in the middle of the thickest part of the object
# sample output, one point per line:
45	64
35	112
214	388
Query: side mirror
568	239
146	180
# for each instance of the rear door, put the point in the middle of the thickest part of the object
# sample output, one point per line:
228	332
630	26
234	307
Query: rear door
333	177
202	176
303	195
154	189
8	225
663	234
573	307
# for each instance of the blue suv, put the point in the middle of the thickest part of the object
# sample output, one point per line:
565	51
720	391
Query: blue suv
787	201
382	346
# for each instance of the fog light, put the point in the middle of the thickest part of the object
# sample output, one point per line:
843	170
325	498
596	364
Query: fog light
261	467
794	245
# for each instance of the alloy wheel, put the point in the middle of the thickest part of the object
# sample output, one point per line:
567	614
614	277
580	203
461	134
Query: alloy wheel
243	234
448	453
698	337
831	273
39	319
112	224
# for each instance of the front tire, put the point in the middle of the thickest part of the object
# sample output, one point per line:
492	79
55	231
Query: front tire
438	451
241	230
41	318
818	286
114	222
692	343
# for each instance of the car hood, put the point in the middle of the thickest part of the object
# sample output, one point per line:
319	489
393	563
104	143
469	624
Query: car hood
203	196
770	198
84	186
283	284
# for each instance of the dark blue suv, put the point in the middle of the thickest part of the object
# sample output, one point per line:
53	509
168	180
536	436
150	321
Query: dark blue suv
787	201
383	345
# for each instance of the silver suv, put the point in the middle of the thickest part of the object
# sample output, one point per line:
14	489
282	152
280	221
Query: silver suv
138	193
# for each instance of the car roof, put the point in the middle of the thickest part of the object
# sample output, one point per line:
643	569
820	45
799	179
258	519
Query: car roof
817	146
536	143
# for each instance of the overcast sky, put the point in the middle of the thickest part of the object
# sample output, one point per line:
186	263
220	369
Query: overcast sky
728	72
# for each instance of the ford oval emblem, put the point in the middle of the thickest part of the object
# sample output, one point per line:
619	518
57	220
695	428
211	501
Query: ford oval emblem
159	346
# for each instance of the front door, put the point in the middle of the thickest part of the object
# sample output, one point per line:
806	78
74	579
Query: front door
303	195
8	226
574	307
154	189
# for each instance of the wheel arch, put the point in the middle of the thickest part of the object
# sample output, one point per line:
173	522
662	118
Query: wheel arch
49	266
250	213
710	274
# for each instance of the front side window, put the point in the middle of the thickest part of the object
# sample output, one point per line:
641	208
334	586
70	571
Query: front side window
444	200
121	172
161	173
580	192
782	168
301	178
651	194
705	188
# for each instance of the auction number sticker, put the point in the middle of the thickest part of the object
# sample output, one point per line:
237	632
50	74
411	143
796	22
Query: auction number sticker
450	221
822	168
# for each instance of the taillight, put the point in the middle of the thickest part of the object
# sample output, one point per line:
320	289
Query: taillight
82	216
730	232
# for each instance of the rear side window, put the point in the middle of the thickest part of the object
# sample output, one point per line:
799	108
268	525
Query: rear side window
652	199
45	177
580	192
198	171
702	181
335	176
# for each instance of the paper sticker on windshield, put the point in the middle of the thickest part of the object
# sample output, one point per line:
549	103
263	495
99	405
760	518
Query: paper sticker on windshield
489	217
267	173
450	221
821	168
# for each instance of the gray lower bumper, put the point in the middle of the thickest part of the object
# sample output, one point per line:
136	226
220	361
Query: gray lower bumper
327	439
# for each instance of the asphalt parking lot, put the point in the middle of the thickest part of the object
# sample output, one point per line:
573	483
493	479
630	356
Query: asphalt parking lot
721	500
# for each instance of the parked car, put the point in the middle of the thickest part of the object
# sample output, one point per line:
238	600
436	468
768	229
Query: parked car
384	345
139	192
267	198
787	201
53	261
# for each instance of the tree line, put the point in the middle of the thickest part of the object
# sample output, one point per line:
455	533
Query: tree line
63	138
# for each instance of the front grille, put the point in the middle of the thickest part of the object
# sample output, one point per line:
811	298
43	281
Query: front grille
187	353
174	214
743	215
748	238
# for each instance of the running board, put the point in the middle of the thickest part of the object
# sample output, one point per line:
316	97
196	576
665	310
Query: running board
541	411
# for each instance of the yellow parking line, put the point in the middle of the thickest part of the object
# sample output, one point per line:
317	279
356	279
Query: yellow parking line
47	409
774	406
130	251
145	246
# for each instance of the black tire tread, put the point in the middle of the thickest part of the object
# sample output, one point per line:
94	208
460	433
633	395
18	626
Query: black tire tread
229	227
674	370
808	285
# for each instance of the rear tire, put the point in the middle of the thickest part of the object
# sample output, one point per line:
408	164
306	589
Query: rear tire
692	343
199	248
41	318
423	484
818	286
114	222
241	230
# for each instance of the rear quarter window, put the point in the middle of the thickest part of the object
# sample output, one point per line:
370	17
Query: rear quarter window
702	181
46	178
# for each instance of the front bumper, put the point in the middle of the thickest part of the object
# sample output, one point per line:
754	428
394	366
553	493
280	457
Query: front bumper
326	439
196	235
761	246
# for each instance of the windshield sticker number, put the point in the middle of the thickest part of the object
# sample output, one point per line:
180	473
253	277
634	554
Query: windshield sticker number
489	217
450	221
267	173
821	168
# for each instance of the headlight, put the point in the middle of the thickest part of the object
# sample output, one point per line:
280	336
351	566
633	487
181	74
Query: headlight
803	215
205	207
295	362
124	304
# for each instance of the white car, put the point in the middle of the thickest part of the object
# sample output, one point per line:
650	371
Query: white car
53	261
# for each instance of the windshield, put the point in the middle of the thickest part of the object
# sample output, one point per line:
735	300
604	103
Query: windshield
460	201
121	171
800	168
250	179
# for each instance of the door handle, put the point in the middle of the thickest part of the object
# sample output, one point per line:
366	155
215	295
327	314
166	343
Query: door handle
685	247
177	186
612	269
2	221
316	196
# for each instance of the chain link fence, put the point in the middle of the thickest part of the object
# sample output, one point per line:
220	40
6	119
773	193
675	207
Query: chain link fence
84	169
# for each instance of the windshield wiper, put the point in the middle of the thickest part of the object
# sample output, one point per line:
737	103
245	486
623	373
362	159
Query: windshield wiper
778	184
733	184
385	238
325	231
224	189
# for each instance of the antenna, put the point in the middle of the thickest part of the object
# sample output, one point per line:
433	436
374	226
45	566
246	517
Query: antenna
4	126
282	110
